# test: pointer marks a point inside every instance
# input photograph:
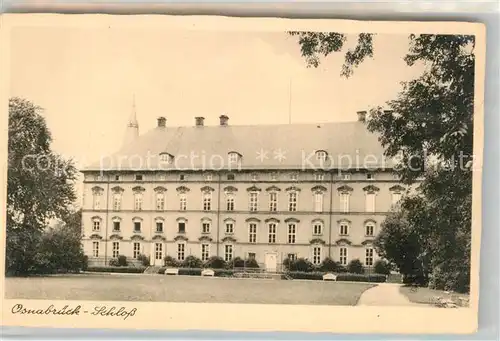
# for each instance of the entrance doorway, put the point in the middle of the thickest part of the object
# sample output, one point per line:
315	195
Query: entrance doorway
271	261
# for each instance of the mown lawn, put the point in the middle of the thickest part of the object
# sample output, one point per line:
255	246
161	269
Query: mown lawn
429	296
158	288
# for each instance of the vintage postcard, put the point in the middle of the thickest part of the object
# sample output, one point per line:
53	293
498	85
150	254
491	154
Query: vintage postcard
241	174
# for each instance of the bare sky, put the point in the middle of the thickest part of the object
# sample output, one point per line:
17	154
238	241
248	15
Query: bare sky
86	78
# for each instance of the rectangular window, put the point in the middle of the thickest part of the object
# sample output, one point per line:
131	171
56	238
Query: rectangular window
370	176
370	202
316	255
181	250
317	229
116	226
159	226
228	253
369	257
345	176
344	202
181	227
95	249
272	233
116	249
229	228
160	201
230	202
369	229
137	226
292	201
252	233
254	177
158	251
273	201
205	228
292	256
292	229
182	177
274	176
183	202
230	177
207	201
344	229
96	225
139	177
117	201
208	177
294	177
253	199
117	178
396	197
138	201
205	252
343	255
137	250
318	202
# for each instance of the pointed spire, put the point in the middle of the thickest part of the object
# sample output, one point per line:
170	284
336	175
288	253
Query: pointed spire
133	115
132	132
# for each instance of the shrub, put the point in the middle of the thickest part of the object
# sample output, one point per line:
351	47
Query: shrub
114	262
215	263
190	272
85	263
301	264
171	262
116	269
122	260
236	262
161	271
305	275
354	277
144	260
355	266
192	262
251	263
382	267
223	273
286	264
329	265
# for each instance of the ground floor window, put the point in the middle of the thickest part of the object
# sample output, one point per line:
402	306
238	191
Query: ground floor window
137	250
158	251
343	255
316	259
292	256
252	255
116	249
369	257
181	251
95	249
228	253
205	252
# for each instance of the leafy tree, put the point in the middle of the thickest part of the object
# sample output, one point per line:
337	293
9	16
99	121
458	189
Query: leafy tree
39	185
429	130
355	267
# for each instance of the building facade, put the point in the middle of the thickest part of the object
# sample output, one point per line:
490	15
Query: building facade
262	192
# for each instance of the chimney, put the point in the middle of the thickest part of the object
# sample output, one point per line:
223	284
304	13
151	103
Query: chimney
223	120
162	121
361	116
199	121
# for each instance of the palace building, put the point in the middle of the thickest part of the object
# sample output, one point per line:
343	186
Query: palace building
259	191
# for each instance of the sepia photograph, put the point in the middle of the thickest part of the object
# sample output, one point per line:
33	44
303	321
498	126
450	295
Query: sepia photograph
254	165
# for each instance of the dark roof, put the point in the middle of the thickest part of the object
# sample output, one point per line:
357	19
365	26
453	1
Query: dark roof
347	145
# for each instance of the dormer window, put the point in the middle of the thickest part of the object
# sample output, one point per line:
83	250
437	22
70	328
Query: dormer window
233	158
139	177
321	155
166	157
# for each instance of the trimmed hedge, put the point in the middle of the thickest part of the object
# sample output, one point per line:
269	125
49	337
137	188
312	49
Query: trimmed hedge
197	272
342	277
113	269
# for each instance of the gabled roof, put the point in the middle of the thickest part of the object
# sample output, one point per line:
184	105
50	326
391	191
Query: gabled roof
342	141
